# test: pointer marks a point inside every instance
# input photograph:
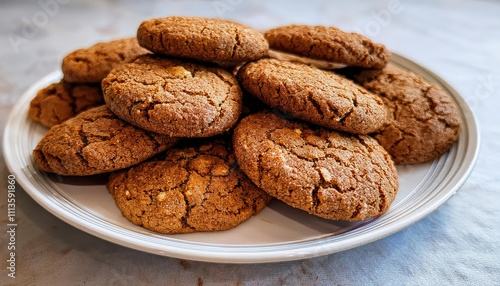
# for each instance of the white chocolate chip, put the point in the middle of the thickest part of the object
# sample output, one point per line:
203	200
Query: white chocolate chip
161	196
325	174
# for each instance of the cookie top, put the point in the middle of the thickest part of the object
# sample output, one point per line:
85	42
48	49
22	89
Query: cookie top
423	121
202	39
96	141
329	174
174	97
314	95
61	101
330	44
198	187
92	64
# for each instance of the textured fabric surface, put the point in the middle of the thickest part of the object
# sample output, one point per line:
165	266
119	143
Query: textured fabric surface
458	244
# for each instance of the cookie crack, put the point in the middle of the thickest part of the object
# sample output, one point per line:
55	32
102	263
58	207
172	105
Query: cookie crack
342	49
315	103
312	38
246	203
259	165
43	157
83	136
383	173
71	102
356	212
434	107
185	217
346	115
237	43
57	159
218	106
162	43
121	55
156	144
84	60
314	193
180	188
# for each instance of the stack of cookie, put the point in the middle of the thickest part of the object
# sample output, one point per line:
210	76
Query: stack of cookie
80	89
317	141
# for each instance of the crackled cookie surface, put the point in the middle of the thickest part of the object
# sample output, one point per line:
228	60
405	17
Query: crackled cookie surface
198	187
423	121
61	101
96	141
92	64
328	43
326	173
174	97
202	39
314	95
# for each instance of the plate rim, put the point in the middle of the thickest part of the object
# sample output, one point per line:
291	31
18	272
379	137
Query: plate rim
243	254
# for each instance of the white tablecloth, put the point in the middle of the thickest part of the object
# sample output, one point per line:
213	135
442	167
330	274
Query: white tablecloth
459	244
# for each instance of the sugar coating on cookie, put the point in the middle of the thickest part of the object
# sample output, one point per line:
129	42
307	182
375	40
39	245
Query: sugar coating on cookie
330	44
314	95
195	188
91	65
204	39
174	97
423	121
60	101
329	174
94	142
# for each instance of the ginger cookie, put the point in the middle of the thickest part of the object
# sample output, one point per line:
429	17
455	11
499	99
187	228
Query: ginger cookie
329	174
198	187
60	101
94	142
92	64
203	39
174	97
423	121
329	44
314	95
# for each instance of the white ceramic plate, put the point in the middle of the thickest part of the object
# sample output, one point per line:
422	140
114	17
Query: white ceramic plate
278	233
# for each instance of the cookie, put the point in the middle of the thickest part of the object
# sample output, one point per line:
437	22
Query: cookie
92	64
423	121
173	97
198	187
313	95
330	44
60	101
202	39
329	174
94	142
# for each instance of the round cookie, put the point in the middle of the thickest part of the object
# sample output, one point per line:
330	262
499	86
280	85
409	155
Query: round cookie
314	95
202	39
173	97
330	44
423	121
92	64
94	142
329	174
61	101
195	188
